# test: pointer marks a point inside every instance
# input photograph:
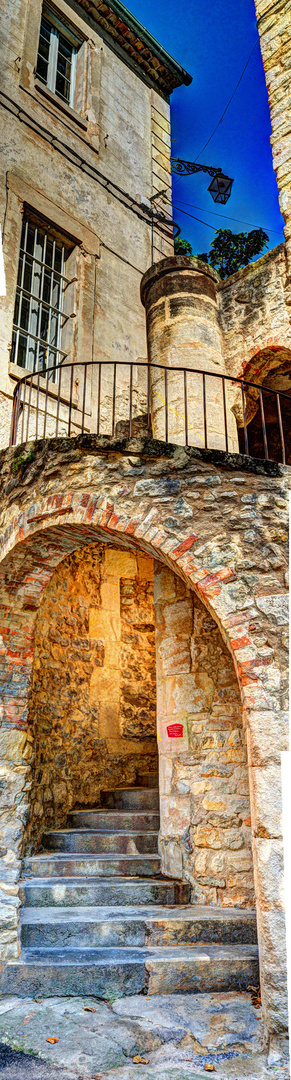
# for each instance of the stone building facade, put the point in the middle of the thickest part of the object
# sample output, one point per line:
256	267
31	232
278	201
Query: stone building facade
144	568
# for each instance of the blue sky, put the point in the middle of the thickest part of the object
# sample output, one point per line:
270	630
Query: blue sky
213	39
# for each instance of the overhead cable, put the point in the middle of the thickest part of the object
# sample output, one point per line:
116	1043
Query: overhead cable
230	100
229	218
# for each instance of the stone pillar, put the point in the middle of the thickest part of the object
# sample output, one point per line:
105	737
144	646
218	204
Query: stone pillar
179	295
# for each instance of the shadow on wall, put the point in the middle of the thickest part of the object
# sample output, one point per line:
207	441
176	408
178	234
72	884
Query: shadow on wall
92	708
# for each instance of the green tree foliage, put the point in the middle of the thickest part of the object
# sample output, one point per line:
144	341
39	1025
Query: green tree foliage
230	251
182	247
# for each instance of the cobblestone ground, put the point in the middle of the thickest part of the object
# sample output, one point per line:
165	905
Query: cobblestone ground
173	1037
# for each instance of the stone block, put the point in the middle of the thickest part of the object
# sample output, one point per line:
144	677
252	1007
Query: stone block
267	736
14	746
104	624
145	568
174	815
120	564
105	685
269	873
165	773
266	801
276	607
172	859
110	596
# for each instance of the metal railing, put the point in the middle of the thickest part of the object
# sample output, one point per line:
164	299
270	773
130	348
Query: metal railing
120	398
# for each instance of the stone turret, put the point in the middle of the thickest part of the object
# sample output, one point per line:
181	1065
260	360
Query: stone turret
179	295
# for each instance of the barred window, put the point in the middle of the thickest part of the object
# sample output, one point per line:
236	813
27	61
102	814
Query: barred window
57	56
39	314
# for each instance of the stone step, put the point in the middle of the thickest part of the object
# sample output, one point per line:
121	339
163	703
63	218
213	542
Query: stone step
130	799
115	820
65	865
90	840
90	927
74	892
107	972
148	780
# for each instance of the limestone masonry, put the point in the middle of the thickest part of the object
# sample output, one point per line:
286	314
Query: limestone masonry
145	475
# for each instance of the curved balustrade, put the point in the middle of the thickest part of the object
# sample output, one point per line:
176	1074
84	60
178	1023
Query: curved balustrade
185	406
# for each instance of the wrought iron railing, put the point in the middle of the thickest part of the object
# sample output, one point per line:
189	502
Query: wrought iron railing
171	404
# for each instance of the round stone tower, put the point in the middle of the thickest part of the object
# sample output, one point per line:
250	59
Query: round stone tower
179	295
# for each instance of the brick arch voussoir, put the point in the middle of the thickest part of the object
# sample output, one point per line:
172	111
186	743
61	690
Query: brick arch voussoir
36	543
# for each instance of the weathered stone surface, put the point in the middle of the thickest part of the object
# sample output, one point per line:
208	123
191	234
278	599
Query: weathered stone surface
93	651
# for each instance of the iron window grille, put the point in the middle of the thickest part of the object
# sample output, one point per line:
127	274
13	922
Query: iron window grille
39	315
57	57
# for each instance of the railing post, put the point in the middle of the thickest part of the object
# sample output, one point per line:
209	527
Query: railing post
84	398
281	429
166	405
149	397
71	399
186	407
204	410
244	416
130	402
264	425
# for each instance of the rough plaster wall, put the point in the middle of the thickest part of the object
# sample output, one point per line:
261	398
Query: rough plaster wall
205	803
92	704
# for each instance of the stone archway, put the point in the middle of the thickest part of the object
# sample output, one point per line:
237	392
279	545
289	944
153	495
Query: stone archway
232	561
271	369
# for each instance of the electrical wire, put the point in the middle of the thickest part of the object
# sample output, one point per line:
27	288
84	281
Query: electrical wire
225	216
195	218
229	101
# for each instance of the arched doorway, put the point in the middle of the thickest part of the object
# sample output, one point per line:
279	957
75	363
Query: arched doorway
92	706
269	419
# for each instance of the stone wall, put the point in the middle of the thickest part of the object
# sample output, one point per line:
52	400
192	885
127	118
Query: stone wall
219	523
273	21
204	792
92	708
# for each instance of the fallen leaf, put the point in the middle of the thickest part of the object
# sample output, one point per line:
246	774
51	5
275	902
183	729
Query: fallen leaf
88	1008
187	1059
96	1076
138	1060
209	1068
27	1018
52	1040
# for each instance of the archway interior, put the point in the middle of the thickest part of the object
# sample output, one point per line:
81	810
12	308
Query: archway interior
92	707
111	624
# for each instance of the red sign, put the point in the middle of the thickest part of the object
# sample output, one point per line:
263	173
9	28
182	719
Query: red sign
175	731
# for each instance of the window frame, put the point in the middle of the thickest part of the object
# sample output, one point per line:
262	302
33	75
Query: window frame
41	311
58	29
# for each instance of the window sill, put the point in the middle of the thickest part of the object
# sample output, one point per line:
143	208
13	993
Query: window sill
59	104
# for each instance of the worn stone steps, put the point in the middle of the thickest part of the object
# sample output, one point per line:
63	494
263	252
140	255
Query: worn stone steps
117	971
90	927
99	841
116	820
82	865
131	799
99	918
76	892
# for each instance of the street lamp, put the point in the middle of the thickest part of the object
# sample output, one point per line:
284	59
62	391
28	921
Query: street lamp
221	185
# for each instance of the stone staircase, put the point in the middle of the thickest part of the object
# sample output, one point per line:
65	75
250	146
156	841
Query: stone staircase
98	917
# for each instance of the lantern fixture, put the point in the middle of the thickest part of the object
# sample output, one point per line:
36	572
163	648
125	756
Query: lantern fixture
221	185
220	188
